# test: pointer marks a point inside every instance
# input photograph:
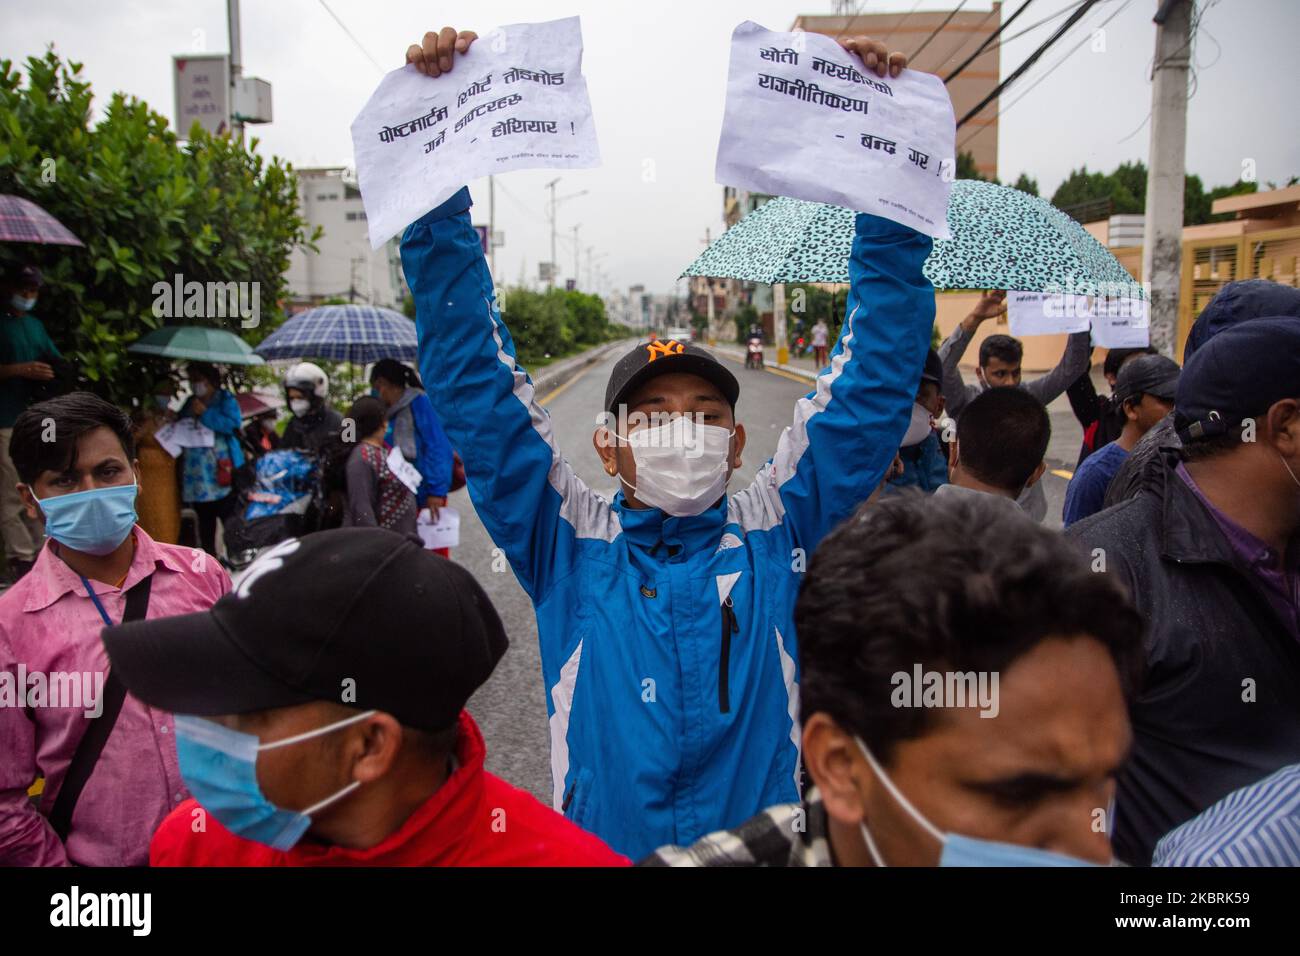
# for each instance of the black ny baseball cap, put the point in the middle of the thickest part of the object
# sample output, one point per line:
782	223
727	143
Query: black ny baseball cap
413	633
1147	375
1238	374
650	359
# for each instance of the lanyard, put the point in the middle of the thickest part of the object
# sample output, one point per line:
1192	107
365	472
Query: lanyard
108	621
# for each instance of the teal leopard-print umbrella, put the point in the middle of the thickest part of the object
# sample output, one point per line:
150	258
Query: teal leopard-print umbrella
1001	239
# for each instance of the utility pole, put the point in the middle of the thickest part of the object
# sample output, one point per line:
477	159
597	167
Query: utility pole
1162	238
551	186
576	247
236	67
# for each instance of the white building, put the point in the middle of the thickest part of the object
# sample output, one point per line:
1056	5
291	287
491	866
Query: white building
345	266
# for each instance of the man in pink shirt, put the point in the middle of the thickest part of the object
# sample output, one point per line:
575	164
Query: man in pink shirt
76	466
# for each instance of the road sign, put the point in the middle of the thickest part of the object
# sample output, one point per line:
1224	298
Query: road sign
202	91
546	271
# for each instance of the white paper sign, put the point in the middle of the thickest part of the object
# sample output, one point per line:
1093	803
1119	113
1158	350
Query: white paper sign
1121	323
184	433
805	118
516	100
1047	313
406	473
444	533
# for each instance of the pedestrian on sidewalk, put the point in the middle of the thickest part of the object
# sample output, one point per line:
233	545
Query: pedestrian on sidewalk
208	474
377	498
666	617
325	720
110	775
821	337
414	429
26	356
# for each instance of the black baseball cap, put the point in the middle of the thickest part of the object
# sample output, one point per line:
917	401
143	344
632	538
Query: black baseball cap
650	359
1147	375
933	370
1238	374
414	633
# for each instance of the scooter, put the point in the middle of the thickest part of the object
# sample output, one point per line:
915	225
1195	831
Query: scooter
754	353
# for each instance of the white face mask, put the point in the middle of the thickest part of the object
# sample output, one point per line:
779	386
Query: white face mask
918	430
681	467
300	406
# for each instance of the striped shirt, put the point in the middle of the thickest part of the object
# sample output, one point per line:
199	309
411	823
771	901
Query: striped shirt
1257	825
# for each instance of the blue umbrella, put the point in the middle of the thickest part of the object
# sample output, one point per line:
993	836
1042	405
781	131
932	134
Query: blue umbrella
343	333
1001	239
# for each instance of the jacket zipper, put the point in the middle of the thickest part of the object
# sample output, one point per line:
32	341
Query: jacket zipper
729	626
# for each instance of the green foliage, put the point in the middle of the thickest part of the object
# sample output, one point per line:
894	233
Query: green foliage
147	208
1026	185
548	325
966	168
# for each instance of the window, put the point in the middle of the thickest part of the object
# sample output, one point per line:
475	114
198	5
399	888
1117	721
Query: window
353	216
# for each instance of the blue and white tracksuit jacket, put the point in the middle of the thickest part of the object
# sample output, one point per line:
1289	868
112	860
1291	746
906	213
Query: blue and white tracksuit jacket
667	644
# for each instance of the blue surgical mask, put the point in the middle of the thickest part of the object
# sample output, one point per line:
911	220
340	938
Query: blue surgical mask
22	303
219	765
95	521
958	850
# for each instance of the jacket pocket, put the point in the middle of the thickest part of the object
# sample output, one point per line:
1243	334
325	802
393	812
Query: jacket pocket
577	801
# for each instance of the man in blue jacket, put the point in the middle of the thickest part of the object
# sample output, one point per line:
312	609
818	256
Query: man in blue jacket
665	617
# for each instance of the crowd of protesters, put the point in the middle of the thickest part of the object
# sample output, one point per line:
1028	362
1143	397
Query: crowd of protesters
798	674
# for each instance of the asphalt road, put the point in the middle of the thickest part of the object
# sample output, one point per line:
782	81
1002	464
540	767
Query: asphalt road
511	707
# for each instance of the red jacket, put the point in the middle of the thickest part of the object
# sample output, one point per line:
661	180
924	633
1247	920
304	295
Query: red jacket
459	825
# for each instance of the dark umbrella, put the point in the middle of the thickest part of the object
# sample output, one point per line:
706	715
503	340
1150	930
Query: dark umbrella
21	220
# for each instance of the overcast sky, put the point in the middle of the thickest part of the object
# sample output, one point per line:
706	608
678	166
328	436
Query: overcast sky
656	74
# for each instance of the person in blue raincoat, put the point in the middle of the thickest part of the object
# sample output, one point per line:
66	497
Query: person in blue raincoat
208	474
413	427
665	616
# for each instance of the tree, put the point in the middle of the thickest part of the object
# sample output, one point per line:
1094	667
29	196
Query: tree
1026	185
147	208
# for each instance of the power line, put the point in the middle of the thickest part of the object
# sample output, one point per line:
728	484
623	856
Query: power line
970	59
946	21
961	41
345	29
1040	79
906	16
1030	61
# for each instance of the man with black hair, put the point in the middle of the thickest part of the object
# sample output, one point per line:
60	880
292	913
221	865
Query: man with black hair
330	729
108	760
26	360
1101	417
1210	552
999	367
1144	393
900	670
1002	436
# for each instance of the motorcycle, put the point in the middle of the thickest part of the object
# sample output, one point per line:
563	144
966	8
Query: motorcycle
754	353
284	501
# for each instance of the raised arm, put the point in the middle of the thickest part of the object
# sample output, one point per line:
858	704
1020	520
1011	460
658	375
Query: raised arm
533	505
846	431
1074	362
